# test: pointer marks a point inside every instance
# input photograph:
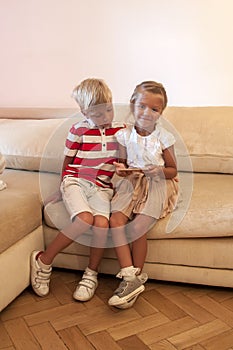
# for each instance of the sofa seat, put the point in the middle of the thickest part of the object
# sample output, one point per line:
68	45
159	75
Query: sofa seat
201	238
20	215
205	213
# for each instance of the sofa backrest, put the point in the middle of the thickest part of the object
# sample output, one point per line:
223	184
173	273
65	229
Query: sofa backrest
2	163
208	135
204	137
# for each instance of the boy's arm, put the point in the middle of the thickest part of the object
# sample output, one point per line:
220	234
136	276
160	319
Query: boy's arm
67	160
122	155
56	197
122	162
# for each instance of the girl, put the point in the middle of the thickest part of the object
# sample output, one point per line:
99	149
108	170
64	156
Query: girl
148	190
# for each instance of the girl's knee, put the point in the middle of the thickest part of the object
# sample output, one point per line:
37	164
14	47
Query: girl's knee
118	220
140	225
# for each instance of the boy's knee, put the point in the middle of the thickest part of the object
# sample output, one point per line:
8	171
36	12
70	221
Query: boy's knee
101	222
84	218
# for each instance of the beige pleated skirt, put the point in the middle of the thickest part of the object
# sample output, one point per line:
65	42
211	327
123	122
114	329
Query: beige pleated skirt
138	194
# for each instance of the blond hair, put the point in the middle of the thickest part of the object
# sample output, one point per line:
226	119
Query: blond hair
91	92
150	86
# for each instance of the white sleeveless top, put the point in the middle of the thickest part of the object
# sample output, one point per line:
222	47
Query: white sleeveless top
143	151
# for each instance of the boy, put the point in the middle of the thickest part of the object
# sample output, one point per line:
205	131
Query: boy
86	187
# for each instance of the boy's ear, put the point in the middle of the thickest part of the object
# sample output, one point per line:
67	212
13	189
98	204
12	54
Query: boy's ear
84	113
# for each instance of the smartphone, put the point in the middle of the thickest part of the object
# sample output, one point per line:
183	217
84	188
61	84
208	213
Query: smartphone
131	169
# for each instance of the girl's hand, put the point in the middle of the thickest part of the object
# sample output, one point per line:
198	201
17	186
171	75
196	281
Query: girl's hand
154	171
53	198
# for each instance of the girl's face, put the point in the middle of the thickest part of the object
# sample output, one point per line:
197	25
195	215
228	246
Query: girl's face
147	110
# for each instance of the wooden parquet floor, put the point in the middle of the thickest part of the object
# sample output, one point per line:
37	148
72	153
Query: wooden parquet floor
166	316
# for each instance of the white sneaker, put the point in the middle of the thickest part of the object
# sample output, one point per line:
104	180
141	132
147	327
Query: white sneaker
87	286
40	276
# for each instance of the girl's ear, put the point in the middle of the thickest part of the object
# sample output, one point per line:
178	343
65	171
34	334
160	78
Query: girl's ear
132	107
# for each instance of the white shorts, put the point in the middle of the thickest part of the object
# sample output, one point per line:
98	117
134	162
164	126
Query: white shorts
80	195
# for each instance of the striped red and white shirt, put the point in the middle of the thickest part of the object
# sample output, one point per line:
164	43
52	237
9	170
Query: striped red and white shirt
94	150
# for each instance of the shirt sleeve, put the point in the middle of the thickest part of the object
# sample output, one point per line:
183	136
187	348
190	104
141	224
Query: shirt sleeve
120	136
167	139
72	142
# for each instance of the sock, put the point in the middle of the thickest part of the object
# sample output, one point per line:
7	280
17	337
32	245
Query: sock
129	271
41	264
91	272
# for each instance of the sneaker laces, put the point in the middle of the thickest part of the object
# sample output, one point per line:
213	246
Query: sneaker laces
122	286
129	279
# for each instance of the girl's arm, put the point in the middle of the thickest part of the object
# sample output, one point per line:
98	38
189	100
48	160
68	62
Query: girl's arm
169	170
170	167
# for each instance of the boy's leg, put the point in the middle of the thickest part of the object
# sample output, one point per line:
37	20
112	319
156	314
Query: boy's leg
87	286
80	225
41	261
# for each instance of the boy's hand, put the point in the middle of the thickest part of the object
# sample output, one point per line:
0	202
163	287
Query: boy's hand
120	169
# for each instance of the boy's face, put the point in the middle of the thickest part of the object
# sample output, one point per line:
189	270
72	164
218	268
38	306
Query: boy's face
101	115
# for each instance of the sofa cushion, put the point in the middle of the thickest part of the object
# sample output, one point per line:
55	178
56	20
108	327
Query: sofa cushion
2	163
43	184
207	133
205	210
20	214
29	144
209	213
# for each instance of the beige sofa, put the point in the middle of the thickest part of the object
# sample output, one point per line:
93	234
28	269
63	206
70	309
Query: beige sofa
193	244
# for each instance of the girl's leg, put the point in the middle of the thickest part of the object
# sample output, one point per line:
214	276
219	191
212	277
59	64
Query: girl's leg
122	248
139	251
133	281
138	228
131	286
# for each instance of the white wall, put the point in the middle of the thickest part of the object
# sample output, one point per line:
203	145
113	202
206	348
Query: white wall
48	46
